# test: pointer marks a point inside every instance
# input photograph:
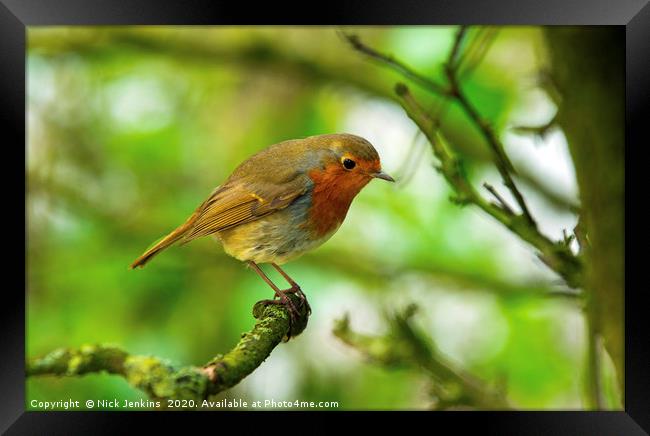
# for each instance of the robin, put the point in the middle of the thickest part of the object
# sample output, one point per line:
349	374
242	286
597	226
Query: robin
282	202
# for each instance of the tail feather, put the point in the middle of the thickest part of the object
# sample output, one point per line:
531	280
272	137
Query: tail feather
168	240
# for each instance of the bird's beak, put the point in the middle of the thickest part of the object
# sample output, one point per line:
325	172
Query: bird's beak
383	175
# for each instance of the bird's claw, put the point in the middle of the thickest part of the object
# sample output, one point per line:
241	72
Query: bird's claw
301	295
285	301
298	311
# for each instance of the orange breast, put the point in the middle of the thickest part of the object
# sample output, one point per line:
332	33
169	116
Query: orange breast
333	192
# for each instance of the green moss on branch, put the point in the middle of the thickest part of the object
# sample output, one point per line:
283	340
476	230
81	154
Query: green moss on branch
162	380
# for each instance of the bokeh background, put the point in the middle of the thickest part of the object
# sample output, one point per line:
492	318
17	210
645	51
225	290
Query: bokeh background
130	128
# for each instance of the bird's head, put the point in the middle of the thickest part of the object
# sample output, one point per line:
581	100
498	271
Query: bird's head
343	164
346	164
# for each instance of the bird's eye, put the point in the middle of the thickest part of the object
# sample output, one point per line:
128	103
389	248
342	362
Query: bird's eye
349	163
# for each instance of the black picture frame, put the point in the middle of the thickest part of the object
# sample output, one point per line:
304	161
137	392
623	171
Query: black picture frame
16	15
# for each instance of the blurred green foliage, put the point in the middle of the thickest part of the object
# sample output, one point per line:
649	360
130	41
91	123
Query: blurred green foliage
129	129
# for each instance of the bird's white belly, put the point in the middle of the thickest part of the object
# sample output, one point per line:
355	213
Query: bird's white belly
273	238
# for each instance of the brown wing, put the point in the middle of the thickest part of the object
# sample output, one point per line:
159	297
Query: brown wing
234	204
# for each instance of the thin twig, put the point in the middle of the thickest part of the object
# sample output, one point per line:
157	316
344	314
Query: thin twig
580	235
452	61
568	239
395	64
538	132
483	46
504	204
503	164
407	170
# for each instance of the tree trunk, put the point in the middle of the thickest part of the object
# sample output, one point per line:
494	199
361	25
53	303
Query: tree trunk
588	69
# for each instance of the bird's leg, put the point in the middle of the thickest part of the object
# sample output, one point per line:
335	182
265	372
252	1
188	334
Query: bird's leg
278	293
264	277
295	288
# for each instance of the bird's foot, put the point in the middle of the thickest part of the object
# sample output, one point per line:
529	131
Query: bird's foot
297	307
284	300
295	289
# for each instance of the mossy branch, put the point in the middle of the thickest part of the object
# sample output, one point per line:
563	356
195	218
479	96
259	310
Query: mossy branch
404	346
160	379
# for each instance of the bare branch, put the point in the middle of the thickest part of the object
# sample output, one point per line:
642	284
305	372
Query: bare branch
500	199
503	164
453	60
556	255
474	54
396	65
538	132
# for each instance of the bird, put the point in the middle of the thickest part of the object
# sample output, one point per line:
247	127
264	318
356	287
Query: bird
280	203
